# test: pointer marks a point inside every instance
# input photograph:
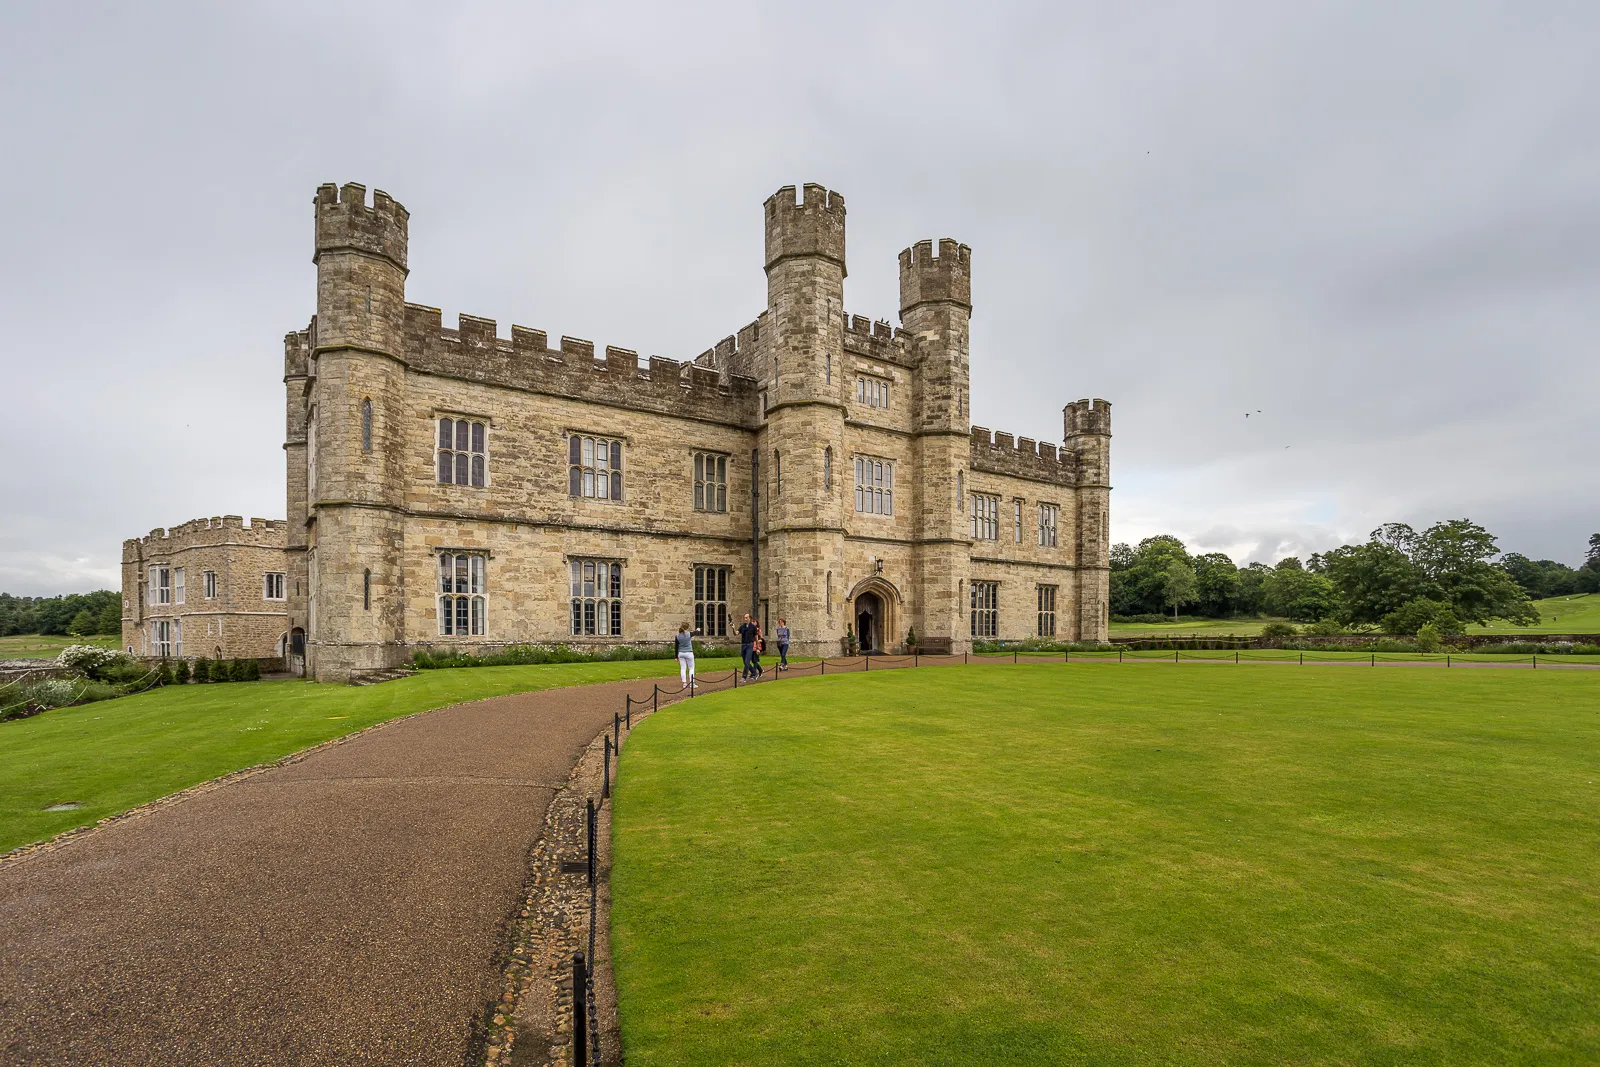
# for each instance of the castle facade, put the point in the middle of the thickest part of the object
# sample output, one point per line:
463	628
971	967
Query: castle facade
215	587
453	488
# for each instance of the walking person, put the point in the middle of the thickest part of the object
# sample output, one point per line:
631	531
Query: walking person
747	644
782	636
756	649
683	643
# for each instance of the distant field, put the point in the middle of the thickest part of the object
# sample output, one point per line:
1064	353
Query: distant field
48	646
1211	627
1578	614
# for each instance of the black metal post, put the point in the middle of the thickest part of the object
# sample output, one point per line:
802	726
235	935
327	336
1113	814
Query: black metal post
824	665
868	660
591	836
605	775
580	1010
1119	655
1374	658
1536	661
1174	655
655	703
1447	659
1013	657
616	732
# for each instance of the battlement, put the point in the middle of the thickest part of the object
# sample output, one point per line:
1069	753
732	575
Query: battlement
345	223
738	354
297	354
474	351
1023	457
205	533
1086	417
926	278
811	226
875	340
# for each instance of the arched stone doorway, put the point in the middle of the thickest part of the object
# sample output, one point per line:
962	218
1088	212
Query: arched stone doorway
869	622
875	606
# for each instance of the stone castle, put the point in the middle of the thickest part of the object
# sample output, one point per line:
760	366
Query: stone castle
455	488
213	588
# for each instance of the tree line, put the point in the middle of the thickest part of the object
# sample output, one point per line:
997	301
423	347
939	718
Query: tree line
1398	581
99	612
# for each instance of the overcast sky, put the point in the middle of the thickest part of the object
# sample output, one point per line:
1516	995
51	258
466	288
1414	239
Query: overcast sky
1373	227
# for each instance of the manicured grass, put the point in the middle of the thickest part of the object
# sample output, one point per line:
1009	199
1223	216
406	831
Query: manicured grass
1577	614
48	646
1115	865
118	754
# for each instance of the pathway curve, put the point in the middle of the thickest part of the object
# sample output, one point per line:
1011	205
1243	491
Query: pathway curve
345	909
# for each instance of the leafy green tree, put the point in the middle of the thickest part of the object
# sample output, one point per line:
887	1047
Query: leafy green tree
1295	592
1251	596
1371	580
1216	585
110	620
1454	556
83	623
1423	611
1177	585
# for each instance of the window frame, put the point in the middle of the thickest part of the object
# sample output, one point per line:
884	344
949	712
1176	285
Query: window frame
464	462
874	485
268	585
1016	519
208	582
590	613
710	494
984	596
462	610
180	591
1049	525
985	521
585	474
872	391
1047	597
711	599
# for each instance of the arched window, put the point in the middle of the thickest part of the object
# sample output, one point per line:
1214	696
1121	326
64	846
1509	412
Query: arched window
827	467
366	425
366	590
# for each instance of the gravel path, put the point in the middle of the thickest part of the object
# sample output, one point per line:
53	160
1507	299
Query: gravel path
346	909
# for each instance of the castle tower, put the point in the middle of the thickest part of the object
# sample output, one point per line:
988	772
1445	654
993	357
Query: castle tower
803	339
354	439
936	308
1086	429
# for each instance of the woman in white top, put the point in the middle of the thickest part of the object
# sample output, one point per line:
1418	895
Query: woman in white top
684	643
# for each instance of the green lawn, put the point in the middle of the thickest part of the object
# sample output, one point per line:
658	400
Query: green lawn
1577	614
117	754
1115	865
47	646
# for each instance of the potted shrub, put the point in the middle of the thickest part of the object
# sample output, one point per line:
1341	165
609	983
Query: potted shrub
911	640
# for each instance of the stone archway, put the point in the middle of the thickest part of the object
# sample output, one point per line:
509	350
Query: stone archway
875	606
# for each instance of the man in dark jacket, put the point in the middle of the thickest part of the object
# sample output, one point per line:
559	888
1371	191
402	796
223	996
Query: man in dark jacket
747	646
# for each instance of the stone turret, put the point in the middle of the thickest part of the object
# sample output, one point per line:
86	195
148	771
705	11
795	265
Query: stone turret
1087	428
355	447
803	452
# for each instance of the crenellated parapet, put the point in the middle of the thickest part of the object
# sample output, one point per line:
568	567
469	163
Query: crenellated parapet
206	533
345	223
1000	453
473	351
810	226
929	278
1084	417
876	340
297	354
738	354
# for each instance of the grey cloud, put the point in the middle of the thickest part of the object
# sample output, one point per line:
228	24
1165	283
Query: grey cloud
1373	222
